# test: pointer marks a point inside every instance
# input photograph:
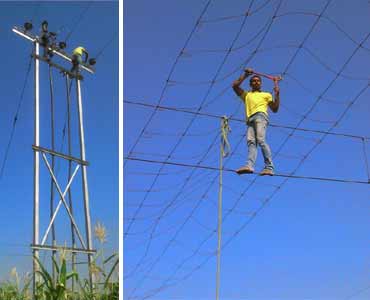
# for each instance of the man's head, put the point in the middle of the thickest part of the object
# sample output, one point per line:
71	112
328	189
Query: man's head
255	83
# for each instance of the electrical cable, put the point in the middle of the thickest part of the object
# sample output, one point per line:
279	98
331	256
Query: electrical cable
231	170
15	119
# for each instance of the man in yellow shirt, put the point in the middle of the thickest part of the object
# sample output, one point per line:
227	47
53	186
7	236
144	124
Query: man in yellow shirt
77	58
256	106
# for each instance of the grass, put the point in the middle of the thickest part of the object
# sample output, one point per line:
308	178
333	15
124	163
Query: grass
104	270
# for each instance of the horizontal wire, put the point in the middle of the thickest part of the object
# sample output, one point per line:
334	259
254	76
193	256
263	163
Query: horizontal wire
315	131
232	170
243	120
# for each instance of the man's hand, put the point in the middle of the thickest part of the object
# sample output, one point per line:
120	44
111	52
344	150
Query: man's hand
248	71
276	90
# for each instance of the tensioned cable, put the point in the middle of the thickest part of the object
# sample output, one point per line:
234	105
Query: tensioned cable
246	223
192	120
323	93
79	18
161	99
316	57
15	119
232	170
173	200
264	35
225	218
105	46
205	114
310	52
200	106
311	92
311	14
320	16
340	29
170	74
250	13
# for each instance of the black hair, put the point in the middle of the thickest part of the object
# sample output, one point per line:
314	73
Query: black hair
254	76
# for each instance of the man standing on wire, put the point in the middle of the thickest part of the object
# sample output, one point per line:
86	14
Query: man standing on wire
77	58
256	104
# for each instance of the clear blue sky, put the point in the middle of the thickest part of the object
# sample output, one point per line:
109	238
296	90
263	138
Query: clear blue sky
95	26
285	239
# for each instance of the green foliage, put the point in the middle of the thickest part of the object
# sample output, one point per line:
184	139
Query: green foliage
56	289
10	290
106	285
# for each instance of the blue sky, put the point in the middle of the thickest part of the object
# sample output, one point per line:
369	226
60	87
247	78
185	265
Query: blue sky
283	238
95	26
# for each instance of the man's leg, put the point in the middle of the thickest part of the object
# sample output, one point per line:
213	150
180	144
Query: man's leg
261	127
252	145
252	151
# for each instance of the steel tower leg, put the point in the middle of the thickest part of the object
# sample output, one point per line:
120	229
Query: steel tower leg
84	178
36	168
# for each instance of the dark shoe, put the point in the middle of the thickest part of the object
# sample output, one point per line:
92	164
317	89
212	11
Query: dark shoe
245	170
267	172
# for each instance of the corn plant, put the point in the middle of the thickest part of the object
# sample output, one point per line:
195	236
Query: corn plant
50	289
12	290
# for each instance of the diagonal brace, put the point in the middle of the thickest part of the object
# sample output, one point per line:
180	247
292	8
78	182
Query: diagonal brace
59	204
64	201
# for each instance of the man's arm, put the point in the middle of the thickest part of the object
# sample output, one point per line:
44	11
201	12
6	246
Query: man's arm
86	56
236	84
276	103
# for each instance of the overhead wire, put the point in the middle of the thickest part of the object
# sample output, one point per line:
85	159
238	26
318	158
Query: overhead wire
264	35
232	170
15	119
105	46
227	18
202	102
210	115
161	99
78	20
170	73
264	204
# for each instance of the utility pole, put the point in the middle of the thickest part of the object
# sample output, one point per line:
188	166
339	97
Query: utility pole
47	40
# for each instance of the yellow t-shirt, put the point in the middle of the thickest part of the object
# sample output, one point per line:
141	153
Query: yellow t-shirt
256	102
79	51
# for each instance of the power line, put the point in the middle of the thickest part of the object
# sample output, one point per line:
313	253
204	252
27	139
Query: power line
232	170
163	91
320	97
79	18
205	114
15	119
105	46
218	71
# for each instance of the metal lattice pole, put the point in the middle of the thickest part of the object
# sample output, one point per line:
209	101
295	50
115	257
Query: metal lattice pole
84	176
85	242
36	174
